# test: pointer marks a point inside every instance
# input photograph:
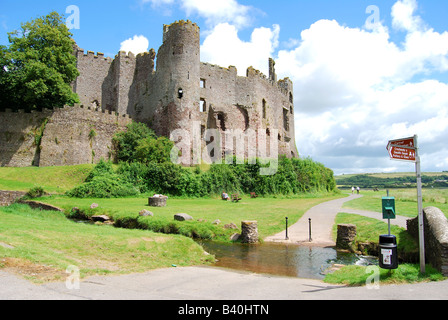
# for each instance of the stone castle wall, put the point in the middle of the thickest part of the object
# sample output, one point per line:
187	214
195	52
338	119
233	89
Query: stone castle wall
68	136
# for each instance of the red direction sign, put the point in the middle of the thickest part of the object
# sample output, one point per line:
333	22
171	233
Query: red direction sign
407	142
404	154
402	149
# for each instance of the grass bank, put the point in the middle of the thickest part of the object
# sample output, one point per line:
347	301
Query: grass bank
269	212
369	230
40	245
52	179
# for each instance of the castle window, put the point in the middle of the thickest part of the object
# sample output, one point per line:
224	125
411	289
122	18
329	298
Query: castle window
180	93
285	119
291	110
264	109
291	98
202	83
202	106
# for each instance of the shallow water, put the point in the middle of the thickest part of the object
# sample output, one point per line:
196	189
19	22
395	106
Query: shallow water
281	259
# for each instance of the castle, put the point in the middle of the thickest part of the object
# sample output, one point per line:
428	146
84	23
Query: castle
179	92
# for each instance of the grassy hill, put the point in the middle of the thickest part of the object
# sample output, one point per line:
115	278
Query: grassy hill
52	179
392	180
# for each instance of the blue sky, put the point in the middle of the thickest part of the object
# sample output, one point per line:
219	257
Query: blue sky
356	85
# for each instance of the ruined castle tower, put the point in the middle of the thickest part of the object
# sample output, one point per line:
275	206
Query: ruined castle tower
175	98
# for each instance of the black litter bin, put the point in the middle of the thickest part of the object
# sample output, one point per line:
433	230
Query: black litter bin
388	253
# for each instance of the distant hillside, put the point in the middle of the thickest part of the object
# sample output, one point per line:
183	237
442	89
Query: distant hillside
392	180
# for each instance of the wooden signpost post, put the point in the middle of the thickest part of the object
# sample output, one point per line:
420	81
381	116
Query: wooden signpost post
407	150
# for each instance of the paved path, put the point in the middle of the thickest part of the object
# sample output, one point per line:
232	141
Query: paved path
322	220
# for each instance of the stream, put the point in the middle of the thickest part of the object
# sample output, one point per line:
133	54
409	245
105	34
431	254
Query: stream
282	259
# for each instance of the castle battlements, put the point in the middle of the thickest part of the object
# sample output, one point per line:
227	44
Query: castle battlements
108	115
91	55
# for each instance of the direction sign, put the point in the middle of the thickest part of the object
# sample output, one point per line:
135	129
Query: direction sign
406	142
403	154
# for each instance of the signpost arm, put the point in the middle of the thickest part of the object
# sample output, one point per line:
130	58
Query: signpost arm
420	211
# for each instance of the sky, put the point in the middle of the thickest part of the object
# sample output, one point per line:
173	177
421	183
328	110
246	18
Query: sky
364	72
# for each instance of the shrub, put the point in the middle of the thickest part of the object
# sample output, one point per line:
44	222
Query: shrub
103	182
104	187
35	192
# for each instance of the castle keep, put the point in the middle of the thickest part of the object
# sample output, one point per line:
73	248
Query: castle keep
170	91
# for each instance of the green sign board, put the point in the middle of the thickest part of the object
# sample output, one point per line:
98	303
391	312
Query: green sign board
389	208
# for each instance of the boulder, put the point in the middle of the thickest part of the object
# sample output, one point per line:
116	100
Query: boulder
146	213
183	217
230	226
101	218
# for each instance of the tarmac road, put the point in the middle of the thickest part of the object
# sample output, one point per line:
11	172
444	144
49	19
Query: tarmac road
208	283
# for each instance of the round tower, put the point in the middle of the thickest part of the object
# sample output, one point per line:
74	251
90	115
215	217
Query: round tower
178	67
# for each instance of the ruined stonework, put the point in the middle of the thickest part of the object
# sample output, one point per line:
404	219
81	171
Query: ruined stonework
182	91
63	136
179	92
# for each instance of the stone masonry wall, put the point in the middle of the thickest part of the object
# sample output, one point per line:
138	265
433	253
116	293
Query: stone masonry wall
436	237
69	136
9	197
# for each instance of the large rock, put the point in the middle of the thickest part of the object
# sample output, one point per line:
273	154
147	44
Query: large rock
146	213
183	217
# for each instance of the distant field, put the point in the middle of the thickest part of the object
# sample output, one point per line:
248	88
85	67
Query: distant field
392	180
391	175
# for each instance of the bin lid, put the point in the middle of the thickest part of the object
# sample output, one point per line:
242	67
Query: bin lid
388	239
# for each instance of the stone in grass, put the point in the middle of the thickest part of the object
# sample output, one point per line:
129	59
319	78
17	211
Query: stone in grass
183	217
101	218
146	213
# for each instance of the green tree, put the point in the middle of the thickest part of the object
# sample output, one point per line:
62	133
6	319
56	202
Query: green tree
126	142
154	150
36	70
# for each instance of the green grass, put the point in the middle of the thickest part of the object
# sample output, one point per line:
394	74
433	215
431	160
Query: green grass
46	243
406	201
52	179
269	212
360	275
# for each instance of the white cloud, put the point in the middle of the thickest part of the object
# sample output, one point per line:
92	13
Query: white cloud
136	45
403	16
213	11
222	46
219	11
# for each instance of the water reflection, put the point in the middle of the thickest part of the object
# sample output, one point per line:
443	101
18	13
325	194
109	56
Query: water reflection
279	259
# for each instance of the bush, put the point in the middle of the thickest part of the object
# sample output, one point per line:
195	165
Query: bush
294	176
103	182
104	187
35	192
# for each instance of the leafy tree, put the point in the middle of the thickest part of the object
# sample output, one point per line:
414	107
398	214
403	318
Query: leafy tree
126	142
36	70
154	150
